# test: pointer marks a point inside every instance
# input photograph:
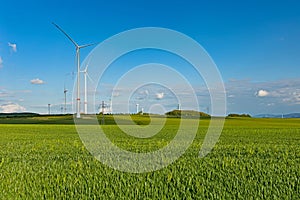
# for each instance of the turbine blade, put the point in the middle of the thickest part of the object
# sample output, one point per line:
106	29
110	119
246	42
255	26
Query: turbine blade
89	77
87	65
65	34
86	45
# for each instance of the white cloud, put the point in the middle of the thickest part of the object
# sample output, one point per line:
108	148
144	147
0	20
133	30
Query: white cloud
159	95
13	47
262	93
37	81
11	108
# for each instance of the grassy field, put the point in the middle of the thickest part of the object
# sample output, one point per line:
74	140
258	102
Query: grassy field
254	159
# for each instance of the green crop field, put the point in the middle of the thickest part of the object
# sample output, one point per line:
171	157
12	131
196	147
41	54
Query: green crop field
253	159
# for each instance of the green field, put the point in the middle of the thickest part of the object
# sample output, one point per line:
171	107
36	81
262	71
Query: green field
253	159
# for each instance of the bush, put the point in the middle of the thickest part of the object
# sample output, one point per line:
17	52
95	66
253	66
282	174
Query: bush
239	115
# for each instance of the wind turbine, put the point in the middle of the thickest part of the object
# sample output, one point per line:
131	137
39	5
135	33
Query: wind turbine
65	92
85	73
49	105
78	47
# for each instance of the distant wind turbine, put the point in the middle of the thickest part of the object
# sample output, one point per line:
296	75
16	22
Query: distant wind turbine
65	92
78	47
49	107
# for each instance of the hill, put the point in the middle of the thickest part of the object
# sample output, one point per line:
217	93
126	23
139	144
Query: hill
291	115
187	113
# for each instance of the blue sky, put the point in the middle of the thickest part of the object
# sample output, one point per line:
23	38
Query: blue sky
255	45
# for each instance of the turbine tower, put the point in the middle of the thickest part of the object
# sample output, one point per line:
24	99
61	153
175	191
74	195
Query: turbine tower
85	73
178	106
78	47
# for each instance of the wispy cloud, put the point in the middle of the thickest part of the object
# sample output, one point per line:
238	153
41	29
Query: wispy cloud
293	98
13	47
11	94
242	96
4	93
11	108
37	81
116	93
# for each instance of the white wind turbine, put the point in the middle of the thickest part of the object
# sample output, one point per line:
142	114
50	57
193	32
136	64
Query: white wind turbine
78	47
86	75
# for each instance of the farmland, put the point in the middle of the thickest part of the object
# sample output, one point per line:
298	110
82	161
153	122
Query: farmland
254	159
